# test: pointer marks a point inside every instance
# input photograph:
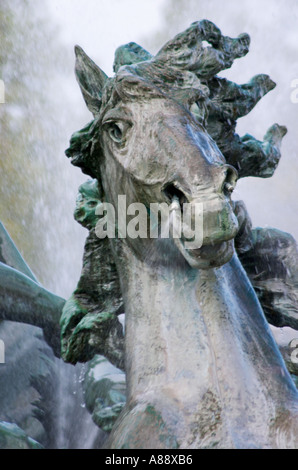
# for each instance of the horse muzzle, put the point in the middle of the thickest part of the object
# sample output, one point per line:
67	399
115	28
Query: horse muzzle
204	229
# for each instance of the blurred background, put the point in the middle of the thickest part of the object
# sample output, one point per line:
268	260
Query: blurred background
43	107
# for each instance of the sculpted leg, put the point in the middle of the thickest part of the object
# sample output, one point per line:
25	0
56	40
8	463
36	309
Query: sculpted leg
23	300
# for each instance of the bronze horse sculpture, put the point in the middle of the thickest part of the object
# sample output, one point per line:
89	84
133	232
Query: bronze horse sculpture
202	367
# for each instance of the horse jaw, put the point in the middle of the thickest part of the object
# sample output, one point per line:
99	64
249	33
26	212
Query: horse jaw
208	256
212	243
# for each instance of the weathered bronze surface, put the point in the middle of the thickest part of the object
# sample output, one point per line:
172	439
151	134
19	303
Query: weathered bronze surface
22	298
202	367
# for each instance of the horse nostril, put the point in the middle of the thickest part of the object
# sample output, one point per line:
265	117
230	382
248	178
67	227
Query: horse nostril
171	191
228	188
231	177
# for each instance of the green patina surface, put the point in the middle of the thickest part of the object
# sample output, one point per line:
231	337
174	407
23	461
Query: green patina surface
186	72
13	437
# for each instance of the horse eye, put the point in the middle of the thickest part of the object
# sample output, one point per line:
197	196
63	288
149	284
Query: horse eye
92	204
115	132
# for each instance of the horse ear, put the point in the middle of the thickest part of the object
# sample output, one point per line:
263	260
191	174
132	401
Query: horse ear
91	80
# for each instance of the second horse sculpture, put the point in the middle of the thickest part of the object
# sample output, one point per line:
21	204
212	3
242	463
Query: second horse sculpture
202	367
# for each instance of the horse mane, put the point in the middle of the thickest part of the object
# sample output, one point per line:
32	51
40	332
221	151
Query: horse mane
185	70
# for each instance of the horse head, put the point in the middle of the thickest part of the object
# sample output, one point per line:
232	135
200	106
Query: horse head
146	144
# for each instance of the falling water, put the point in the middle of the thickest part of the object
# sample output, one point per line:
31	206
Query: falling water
76	429
38	392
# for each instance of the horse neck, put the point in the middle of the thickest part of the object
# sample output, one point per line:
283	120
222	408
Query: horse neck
192	332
